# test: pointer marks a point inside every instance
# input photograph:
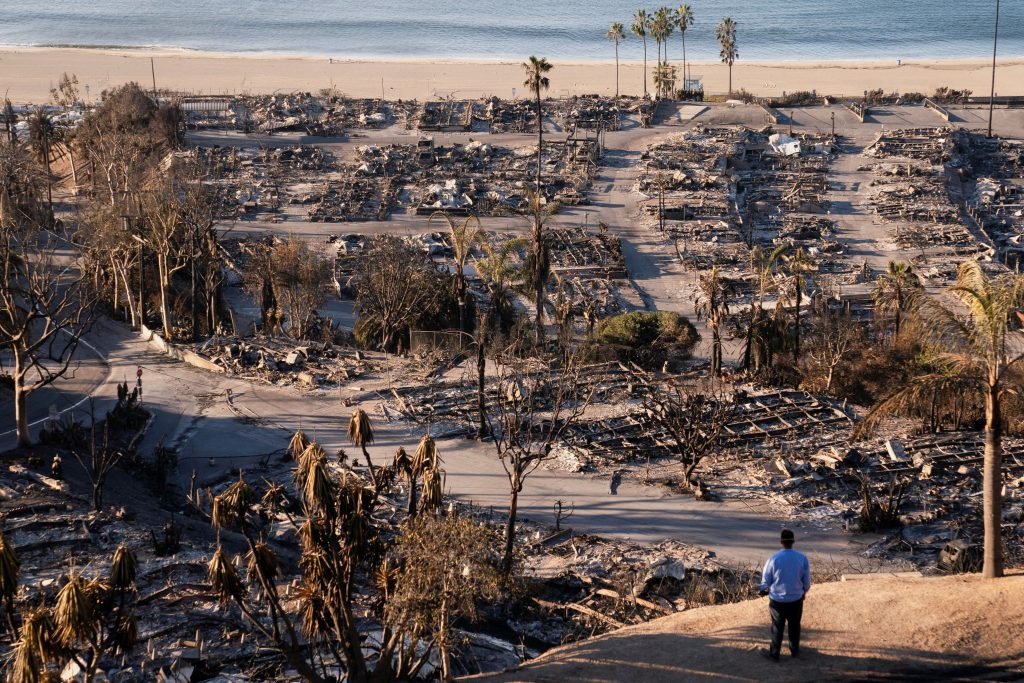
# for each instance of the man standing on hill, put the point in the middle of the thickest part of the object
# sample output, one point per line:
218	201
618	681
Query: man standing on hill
786	579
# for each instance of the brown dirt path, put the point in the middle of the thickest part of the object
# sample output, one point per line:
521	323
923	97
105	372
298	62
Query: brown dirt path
884	628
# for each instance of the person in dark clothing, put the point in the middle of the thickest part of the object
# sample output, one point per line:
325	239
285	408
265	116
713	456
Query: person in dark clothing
786	578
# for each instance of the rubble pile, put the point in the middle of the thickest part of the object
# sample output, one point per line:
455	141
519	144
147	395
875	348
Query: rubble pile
446	115
487	180
940	476
324	114
590	112
717	192
455	403
993	175
250	180
515	116
915	199
934	145
586	266
281	360
762	419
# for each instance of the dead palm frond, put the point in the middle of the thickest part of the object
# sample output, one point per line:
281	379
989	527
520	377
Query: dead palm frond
433	490
123	569
75	614
274	498
315	620
36	647
231	507
360	433
426	456
262	564
298	443
312	453
224	578
125	633
318	492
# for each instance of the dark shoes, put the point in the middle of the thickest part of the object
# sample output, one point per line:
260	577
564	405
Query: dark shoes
795	653
770	655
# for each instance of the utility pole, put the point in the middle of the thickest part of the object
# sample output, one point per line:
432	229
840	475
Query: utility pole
152	71
992	96
833	124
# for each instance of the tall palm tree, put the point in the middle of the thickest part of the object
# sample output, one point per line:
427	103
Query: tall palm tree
40	136
799	266
536	80
463	236
712	304
539	261
639	29
684	19
616	34
360	433
665	21
726	34
894	291
974	351
760	329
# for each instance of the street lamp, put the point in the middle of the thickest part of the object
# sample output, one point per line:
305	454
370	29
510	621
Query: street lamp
992	96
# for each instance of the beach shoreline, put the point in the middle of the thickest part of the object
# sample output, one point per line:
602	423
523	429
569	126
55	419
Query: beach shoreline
28	73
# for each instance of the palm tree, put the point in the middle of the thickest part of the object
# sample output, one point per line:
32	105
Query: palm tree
726	34
616	34
894	291
760	329
40	134
684	19
463	236
539	261
974	353
665	22
500	275
537	81
360	433
799	266
639	29
712	304
664	79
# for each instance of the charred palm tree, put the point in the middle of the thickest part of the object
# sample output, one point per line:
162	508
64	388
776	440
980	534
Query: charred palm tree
712	304
463	237
360	433
895	289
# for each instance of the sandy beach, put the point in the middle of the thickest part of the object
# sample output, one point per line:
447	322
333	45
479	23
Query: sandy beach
26	74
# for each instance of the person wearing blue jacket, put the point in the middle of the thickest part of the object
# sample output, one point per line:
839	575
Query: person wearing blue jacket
786	578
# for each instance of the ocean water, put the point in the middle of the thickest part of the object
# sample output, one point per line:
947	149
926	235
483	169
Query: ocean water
502	29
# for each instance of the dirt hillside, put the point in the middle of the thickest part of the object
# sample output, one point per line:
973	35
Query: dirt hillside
885	628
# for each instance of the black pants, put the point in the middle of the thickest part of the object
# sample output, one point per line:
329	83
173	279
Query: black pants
783	612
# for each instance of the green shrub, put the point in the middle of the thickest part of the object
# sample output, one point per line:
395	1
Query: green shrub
649	338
